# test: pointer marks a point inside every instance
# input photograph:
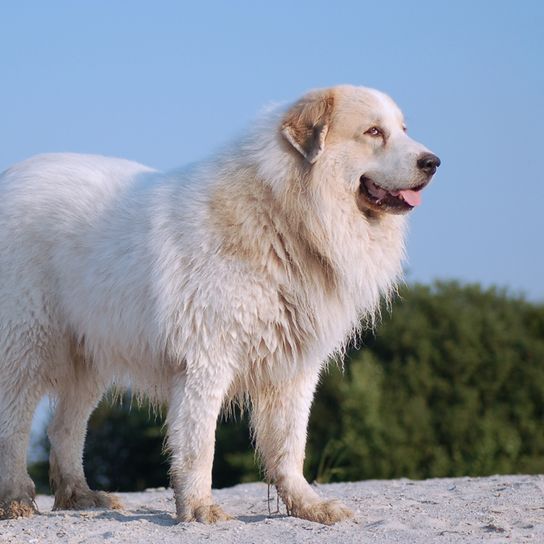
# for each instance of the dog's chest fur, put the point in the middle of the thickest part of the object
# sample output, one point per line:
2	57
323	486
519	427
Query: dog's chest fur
304	296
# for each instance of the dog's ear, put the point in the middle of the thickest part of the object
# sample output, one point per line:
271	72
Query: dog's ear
307	122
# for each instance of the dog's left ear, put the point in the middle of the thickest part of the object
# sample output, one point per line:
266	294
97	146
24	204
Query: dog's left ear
306	124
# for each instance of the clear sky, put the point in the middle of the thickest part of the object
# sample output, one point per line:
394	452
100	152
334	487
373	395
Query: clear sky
166	82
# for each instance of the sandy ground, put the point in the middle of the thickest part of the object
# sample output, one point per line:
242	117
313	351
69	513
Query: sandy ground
494	509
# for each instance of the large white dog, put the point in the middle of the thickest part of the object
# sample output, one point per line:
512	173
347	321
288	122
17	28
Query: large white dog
235	279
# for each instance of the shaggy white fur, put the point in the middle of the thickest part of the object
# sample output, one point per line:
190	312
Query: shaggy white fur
237	278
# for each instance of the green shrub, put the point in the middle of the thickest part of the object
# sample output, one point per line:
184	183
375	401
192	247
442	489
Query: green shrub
451	384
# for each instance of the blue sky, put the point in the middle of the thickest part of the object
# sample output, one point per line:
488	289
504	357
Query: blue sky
165	83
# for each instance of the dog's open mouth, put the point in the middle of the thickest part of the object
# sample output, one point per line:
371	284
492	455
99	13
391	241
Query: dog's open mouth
396	201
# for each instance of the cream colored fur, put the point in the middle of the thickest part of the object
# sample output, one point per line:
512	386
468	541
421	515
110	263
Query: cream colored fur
237	278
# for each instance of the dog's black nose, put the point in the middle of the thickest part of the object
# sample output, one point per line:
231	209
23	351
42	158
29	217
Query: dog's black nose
428	163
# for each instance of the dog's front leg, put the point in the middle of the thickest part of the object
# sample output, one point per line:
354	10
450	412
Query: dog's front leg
280	420
195	403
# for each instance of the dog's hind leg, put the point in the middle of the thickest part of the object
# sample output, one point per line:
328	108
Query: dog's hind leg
20	391
78	395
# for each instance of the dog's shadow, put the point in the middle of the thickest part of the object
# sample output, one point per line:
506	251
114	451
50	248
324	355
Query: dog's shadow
158	517
257	518
165	519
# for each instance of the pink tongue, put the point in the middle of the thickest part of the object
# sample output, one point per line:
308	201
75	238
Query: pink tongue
411	197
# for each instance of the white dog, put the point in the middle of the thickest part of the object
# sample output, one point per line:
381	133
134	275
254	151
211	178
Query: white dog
235	279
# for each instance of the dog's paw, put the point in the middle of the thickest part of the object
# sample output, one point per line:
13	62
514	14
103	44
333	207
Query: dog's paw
83	499
205	513
326	512
20	508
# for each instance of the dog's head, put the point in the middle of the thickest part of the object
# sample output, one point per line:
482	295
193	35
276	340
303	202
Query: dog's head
362	133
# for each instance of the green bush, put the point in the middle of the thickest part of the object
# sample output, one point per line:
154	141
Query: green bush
450	384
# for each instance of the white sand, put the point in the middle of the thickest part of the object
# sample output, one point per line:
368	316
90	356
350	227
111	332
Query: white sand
495	509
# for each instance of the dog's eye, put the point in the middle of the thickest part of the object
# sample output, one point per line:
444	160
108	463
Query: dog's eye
404	128
374	131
